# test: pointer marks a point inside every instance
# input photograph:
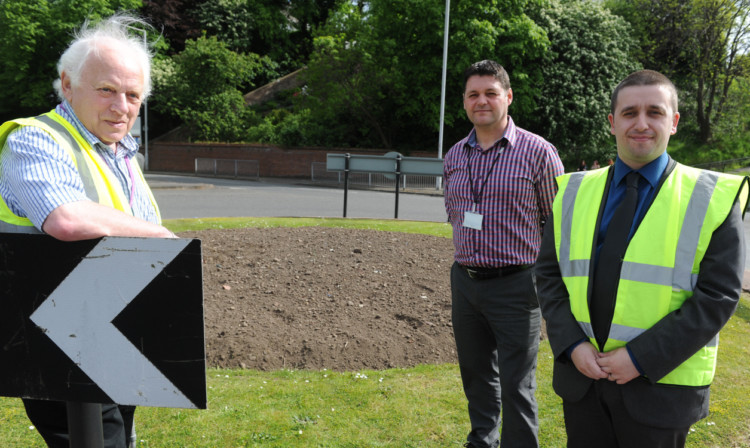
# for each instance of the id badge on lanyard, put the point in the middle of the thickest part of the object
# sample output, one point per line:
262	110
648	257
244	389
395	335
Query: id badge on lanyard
472	219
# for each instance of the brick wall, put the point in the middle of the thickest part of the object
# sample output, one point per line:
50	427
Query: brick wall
274	161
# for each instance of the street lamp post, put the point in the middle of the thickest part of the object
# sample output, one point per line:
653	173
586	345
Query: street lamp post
442	89
144	122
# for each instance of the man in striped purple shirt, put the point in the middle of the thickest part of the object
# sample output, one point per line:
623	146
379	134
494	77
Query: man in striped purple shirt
499	187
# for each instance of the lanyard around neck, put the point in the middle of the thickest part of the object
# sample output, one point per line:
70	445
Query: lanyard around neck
132	182
477	195
130	173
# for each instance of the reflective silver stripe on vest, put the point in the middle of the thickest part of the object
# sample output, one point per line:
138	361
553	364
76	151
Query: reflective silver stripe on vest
568	268
83	168
10	228
714	342
623	333
687	245
627	334
647	273
588	330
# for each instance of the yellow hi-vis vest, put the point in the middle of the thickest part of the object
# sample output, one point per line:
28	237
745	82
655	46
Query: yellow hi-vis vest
662	261
99	181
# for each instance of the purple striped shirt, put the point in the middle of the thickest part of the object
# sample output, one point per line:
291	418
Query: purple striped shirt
514	204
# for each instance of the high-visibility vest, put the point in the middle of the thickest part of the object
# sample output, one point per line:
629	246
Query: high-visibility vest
661	265
99	181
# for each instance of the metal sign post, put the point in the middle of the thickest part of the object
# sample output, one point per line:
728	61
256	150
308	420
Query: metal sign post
346	180
398	182
387	164
85	425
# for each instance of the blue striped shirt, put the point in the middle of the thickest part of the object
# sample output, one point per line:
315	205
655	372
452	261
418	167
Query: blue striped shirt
38	175
515	202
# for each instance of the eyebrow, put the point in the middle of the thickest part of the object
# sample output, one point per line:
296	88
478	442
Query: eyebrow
491	89
649	107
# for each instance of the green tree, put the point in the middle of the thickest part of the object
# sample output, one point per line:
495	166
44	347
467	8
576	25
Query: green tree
374	75
590	53
696	43
203	86
723	33
175	20
279	29
344	87
306	16
246	25
34	33
732	132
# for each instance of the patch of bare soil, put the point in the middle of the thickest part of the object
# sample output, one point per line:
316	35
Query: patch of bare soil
315	298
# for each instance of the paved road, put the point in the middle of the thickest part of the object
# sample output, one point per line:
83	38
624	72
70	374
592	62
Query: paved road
195	197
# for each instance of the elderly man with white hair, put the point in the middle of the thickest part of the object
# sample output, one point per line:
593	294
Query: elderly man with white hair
71	173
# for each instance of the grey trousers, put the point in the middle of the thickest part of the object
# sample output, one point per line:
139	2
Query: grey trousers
496	324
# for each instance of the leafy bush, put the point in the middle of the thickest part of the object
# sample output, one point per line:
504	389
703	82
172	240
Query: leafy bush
589	54
203	86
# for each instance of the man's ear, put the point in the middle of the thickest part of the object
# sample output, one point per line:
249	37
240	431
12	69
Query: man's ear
675	120
66	85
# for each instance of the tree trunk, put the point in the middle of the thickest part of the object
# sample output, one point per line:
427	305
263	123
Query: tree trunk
703	113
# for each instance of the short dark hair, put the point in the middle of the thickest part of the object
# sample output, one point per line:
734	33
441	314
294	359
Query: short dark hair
487	68
644	78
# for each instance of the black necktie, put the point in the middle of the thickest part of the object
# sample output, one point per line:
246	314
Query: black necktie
607	270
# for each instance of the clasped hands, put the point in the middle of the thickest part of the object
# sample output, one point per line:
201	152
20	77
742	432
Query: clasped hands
615	365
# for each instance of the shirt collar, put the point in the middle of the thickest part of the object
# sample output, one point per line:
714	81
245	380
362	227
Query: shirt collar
652	171
509	136
128	145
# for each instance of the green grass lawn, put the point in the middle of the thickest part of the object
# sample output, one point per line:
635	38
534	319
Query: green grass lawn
417	407
428	228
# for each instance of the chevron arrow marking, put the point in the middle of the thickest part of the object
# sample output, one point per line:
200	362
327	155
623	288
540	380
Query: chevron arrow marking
78	317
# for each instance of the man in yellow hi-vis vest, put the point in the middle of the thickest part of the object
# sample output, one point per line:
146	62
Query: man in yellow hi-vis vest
71	173
640	267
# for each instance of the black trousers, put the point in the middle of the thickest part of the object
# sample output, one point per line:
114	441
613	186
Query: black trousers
601	419
496	324
50	418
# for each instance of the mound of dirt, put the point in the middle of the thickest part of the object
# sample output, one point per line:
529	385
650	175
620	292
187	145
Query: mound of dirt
315	298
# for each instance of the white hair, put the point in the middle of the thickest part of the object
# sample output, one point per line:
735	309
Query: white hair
87	40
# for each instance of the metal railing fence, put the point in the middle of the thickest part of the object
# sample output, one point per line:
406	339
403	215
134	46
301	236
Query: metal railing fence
722	165
245	169
319	174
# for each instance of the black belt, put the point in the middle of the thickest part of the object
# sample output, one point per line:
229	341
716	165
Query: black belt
478	273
